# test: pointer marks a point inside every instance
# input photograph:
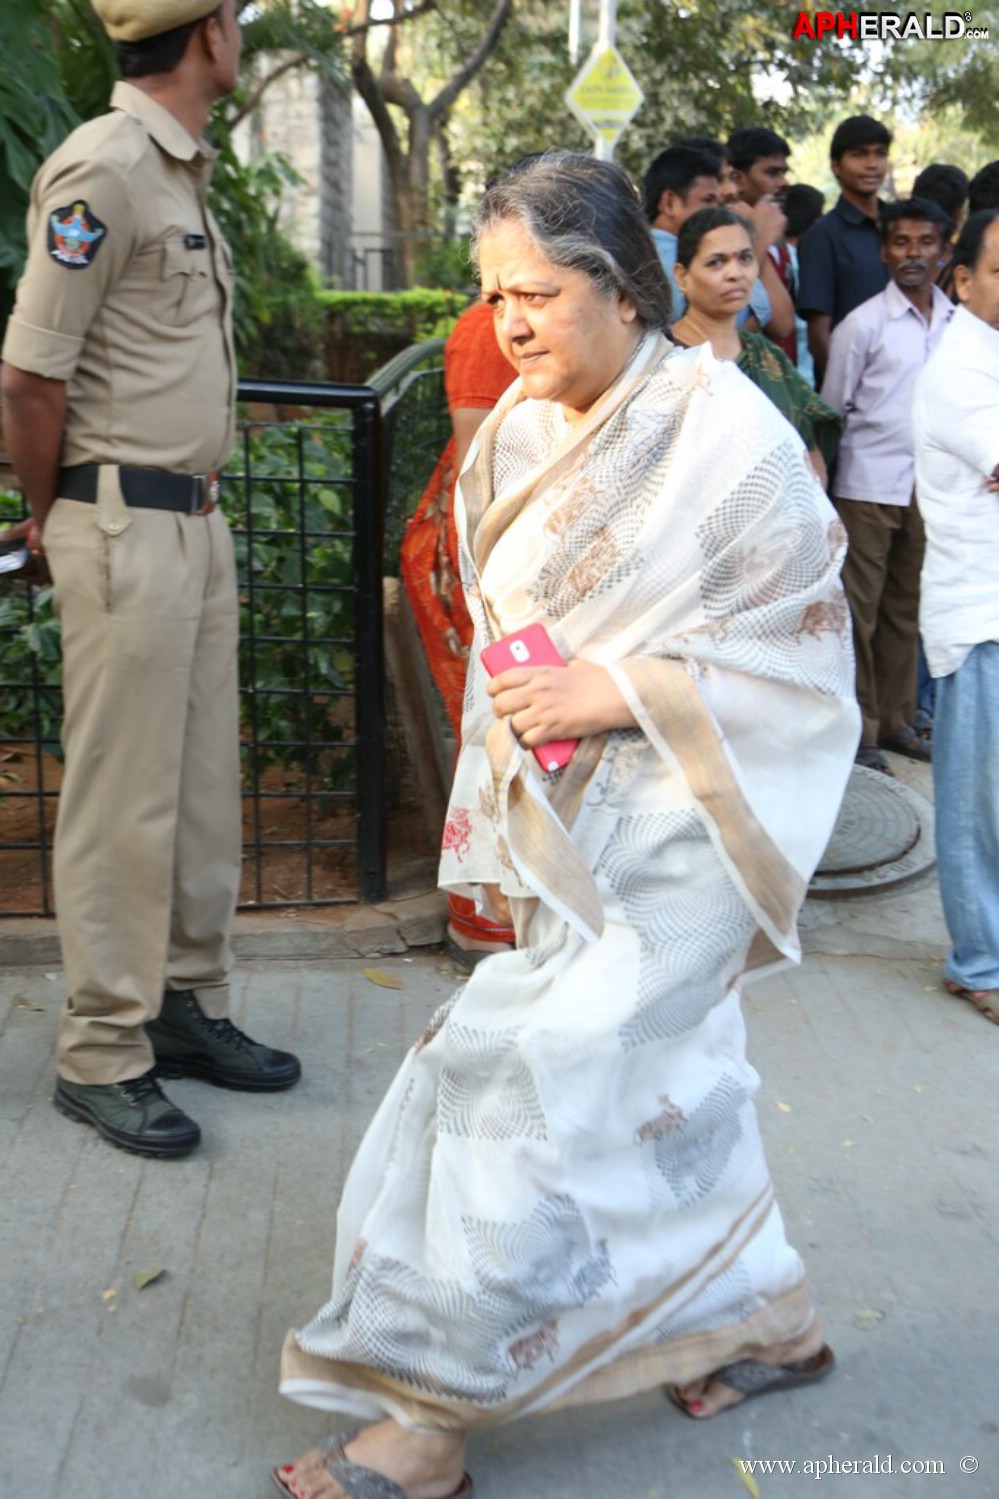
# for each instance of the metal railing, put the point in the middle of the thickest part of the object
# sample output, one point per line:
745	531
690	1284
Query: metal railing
30	713
416	428
305	501
305	495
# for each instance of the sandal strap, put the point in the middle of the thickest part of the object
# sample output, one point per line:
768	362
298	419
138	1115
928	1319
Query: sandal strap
985	1001
751	1376
357	1482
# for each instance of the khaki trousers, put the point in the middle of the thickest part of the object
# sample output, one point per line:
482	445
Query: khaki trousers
881	581
148	838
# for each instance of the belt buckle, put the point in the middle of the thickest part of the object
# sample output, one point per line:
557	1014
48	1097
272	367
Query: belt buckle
205	492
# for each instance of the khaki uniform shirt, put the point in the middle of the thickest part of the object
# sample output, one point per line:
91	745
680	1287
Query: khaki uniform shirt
127	293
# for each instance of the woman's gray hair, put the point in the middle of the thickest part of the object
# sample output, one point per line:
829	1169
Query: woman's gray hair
584	215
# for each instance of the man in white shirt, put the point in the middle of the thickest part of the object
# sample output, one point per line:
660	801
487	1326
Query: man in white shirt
875	354
957	482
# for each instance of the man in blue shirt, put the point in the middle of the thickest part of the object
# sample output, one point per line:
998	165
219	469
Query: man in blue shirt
840	263
684	178
681	180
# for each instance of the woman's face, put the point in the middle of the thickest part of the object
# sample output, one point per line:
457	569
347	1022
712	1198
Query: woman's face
565	339
720	277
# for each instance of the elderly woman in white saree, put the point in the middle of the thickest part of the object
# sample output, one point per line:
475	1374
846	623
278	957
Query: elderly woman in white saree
564	1197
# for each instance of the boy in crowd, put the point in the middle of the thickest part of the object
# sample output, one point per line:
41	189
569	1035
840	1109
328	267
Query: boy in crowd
840	256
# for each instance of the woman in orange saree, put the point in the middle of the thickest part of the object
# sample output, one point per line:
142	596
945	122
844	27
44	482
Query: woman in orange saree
476	374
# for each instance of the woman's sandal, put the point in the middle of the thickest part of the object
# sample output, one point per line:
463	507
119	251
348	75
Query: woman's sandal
465	958
985	1001
750	1377
354	1481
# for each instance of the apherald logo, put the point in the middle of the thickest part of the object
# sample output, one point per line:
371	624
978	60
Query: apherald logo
884	25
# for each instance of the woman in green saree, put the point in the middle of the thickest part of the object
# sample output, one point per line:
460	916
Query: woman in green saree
716	267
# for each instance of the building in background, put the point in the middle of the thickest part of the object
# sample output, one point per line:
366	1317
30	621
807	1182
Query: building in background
339	214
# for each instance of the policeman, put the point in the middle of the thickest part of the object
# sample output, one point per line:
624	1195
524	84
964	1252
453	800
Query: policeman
119	384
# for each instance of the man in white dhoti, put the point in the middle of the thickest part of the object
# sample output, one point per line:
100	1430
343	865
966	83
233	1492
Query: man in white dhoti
564	1197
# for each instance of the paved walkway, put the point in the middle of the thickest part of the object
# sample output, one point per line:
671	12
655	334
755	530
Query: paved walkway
878	1105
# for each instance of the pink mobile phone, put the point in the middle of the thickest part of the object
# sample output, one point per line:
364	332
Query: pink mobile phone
531	646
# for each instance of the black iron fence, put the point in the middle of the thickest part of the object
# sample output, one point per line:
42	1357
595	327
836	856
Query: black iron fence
317	481
415	429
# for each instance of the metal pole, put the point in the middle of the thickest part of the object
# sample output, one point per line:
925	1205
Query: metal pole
604	150
608	24
575	29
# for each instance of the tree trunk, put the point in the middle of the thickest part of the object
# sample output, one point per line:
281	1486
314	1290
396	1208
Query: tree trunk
409	169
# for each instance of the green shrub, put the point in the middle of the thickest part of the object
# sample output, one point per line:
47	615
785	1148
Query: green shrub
277	323
297	596
30	654
297	607
414	315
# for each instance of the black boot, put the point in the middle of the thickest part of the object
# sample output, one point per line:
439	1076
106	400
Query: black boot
186	1043
134	1115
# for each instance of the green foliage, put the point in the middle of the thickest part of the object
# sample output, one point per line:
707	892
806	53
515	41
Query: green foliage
29	651
35	115
59	67
924	79
516	104
84	54
705	67
307	28
417	315
445	263
277	329
295	553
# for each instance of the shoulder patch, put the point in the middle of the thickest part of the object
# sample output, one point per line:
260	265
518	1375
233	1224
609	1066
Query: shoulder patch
75	235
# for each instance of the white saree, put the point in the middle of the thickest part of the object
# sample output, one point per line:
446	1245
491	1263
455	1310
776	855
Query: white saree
564	1196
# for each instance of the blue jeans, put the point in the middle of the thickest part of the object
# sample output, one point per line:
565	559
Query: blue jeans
966	789
925	693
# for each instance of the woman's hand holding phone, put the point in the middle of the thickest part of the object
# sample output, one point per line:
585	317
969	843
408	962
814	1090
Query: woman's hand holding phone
553	703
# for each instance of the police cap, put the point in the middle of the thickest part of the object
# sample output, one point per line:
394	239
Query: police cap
135	20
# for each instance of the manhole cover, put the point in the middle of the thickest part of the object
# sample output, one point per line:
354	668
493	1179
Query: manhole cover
883	835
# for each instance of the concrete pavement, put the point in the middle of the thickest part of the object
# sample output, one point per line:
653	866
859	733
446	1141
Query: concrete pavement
878	1106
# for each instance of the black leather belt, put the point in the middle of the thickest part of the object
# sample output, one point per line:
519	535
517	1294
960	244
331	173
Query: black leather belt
145	488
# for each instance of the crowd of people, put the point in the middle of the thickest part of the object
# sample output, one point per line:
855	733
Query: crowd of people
563	1197
871	285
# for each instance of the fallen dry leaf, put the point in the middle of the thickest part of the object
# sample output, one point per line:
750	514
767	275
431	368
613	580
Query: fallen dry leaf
868	1318
109	1293
785	1108
382	979
143	1278
26	1004
739	1464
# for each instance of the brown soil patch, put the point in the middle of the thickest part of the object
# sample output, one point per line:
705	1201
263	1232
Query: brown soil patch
296	850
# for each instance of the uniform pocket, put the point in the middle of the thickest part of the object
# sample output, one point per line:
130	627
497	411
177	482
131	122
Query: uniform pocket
187	283
77	555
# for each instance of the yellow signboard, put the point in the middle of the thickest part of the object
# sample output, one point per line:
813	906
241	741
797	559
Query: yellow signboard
604	96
